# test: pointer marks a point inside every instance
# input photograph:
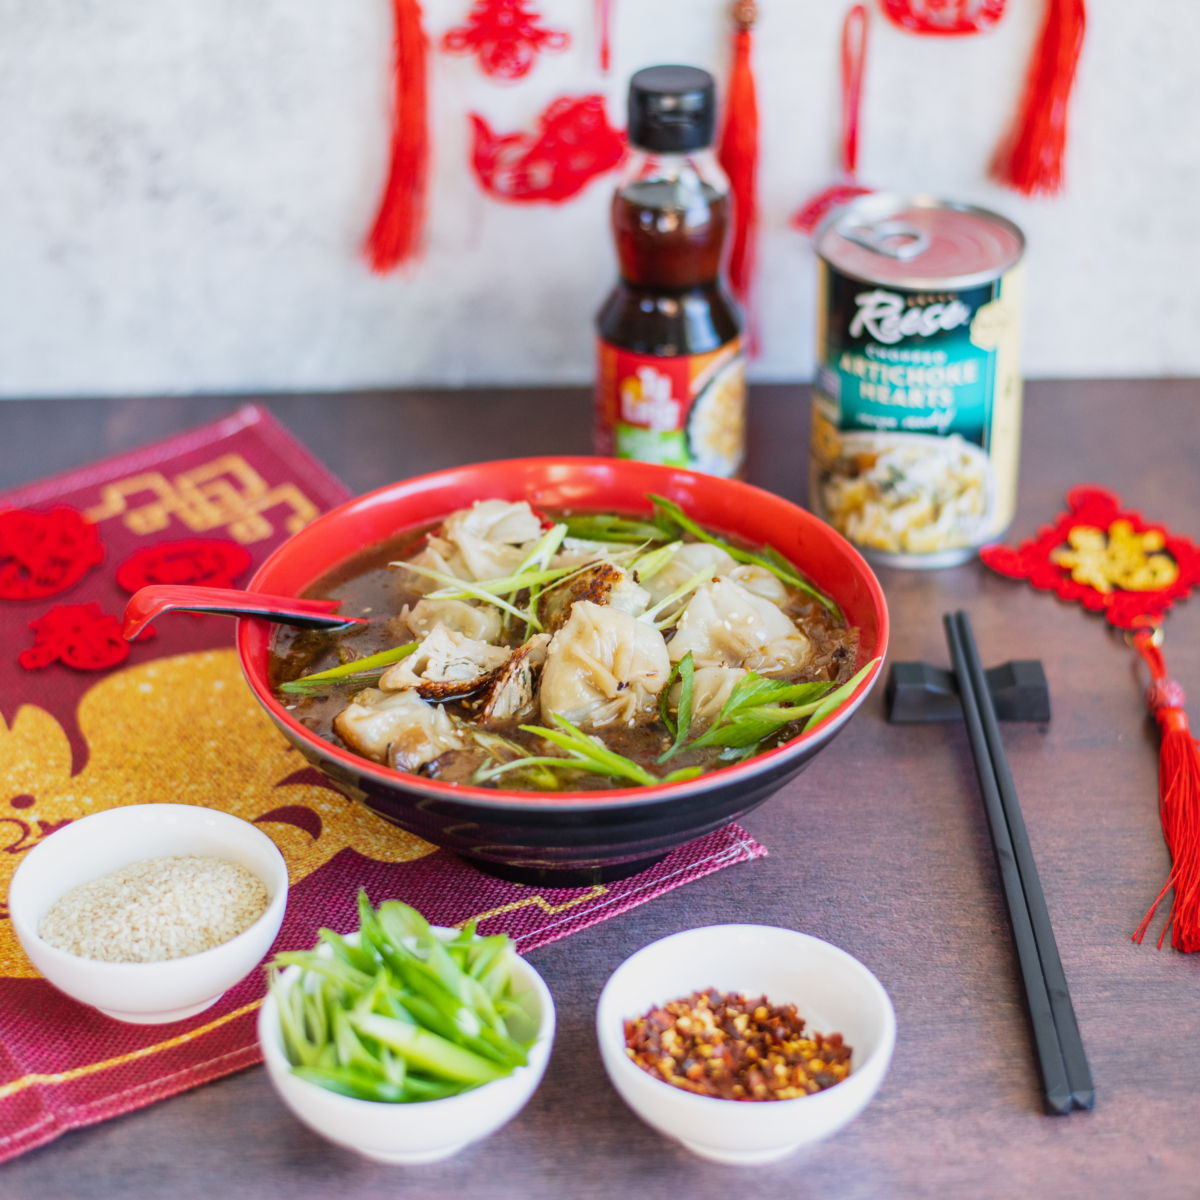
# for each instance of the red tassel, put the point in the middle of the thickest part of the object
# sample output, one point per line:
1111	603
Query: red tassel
1179	802
1030	158
395	237
738	153
604	30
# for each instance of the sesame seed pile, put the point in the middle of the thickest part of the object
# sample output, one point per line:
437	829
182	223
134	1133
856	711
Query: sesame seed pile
723	1045
156	909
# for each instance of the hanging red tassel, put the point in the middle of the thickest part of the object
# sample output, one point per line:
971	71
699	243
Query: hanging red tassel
1030	158
604	33
395	237
1179	801
738	153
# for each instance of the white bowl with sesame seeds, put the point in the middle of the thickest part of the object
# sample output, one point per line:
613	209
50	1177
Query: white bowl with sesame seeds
87	850
832	991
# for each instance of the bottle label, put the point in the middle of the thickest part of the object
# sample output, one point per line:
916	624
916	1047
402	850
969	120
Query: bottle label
688	411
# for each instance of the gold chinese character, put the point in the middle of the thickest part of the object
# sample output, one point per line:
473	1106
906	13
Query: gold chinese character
227	492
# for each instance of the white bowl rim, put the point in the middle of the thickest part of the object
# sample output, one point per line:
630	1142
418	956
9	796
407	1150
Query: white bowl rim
28	928
884	1046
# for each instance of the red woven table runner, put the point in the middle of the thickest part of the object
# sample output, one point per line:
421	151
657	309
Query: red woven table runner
87	723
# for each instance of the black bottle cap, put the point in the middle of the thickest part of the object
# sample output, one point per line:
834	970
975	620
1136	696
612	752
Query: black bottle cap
672	109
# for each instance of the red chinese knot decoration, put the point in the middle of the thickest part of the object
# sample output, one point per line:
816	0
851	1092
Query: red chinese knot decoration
207	562
506	36
944	16
1070	562
573	143
42	554
1132	570
82	636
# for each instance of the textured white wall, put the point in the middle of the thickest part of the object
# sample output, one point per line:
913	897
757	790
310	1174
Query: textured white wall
184	185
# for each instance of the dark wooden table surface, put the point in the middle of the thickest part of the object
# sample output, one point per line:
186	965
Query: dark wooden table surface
880	847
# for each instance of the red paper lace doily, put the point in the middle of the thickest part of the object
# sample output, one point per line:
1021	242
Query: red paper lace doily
944	16
44	553
206	562
83	636
506	36
573	143
1098	508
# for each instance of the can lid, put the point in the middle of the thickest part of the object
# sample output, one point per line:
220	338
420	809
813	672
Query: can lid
672	109
919	242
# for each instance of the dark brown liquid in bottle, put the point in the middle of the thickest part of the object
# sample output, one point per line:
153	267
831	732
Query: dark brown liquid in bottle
669	300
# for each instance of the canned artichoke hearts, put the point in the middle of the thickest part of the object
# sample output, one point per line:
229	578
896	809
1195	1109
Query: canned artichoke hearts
917	402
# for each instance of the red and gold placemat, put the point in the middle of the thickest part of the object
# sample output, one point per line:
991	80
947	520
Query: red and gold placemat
88	722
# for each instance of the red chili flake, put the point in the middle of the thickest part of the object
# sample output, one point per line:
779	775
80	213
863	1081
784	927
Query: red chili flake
206	562
83	636
44	553
723	1045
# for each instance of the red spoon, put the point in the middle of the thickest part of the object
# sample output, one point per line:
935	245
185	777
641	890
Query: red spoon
153	601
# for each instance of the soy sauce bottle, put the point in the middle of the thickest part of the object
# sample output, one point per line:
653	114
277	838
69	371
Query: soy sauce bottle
670	381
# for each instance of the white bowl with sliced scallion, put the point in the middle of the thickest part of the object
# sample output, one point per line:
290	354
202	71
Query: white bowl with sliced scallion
406	1042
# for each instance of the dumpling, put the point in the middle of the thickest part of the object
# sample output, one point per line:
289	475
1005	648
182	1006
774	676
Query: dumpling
601	583
400	729
603	667
761	582
510	694
438	555
488	535
711	687
480	622
447	664
682	566
724	625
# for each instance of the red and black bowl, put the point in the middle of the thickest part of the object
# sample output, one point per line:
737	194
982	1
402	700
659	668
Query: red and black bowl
567	838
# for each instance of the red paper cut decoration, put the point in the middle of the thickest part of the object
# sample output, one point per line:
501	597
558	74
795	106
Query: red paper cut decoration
1095	508
208	562
506	36
944	16
395	237
854	57
42	554
573	143
738	154
80	635
1030	158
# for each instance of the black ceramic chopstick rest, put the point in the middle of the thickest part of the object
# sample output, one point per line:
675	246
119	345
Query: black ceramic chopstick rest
917	693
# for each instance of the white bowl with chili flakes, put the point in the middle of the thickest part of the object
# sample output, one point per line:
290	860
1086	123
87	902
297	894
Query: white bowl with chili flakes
833	994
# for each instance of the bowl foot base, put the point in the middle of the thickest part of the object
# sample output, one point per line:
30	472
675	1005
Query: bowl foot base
160	1018
739	1158
415	1158
571	877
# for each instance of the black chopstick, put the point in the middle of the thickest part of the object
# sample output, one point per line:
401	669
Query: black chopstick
1056	1092
1079	1076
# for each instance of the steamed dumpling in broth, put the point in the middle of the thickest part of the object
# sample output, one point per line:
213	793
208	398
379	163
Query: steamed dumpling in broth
480	622
400	729
724	625
446	664
603	667
711	687
761	582
683	565
488	536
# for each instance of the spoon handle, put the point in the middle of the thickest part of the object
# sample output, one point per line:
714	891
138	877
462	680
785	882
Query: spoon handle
153	601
